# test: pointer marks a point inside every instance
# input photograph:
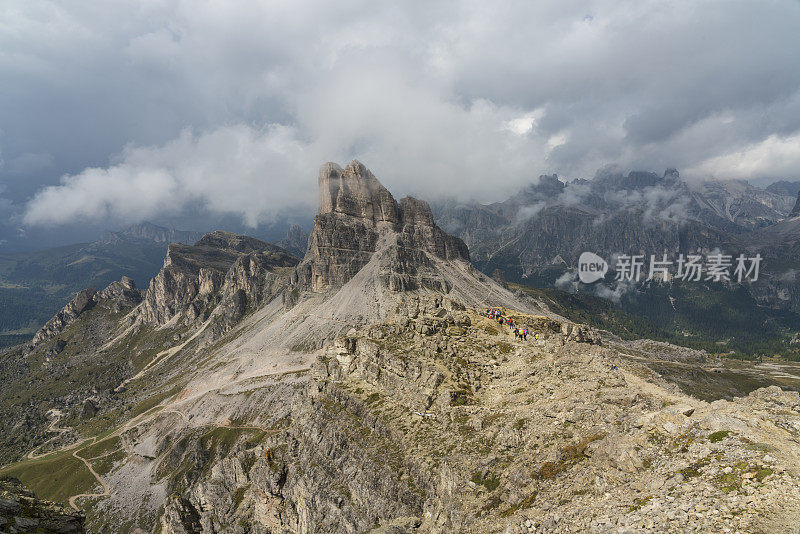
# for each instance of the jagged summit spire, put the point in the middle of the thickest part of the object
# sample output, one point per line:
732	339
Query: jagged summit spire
355	191
356	214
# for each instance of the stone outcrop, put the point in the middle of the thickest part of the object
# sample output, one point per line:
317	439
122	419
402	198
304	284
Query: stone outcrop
180	517
82	302
221	266
358	217
121	295
21	512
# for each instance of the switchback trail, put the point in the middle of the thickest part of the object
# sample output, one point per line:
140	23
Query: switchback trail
106	490
52	428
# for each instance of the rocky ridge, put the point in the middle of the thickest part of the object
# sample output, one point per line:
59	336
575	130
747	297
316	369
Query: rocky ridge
221	266
21	512
121	295
439	421
147	231
553	221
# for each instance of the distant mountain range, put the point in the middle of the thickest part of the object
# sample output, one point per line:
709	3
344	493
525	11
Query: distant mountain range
552	222
790	189
147	231
536	236
296	241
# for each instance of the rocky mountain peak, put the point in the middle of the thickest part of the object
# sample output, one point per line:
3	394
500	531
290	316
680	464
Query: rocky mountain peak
416	212
118	296
82	302
634	180
355	191
672	175
784	188
357	217
147	231
128	282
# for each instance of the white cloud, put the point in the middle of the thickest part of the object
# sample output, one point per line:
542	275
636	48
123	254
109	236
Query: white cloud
774	156
526	212
235	169
414	139
567	281
615	293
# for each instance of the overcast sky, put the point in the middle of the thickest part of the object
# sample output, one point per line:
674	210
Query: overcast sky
117	111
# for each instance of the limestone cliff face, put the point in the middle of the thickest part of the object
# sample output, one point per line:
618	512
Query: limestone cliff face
356	192
221	268
189	274
252	281
357	217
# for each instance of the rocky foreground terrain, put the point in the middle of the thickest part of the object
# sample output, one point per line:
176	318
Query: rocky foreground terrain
363	389
21	512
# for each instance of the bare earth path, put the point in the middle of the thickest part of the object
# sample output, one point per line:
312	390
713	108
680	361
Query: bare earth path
106	490
52	428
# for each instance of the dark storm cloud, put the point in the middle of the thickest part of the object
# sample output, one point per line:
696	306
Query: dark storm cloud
127	110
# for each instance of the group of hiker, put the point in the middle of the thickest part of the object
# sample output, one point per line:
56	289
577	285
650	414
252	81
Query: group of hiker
520	332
